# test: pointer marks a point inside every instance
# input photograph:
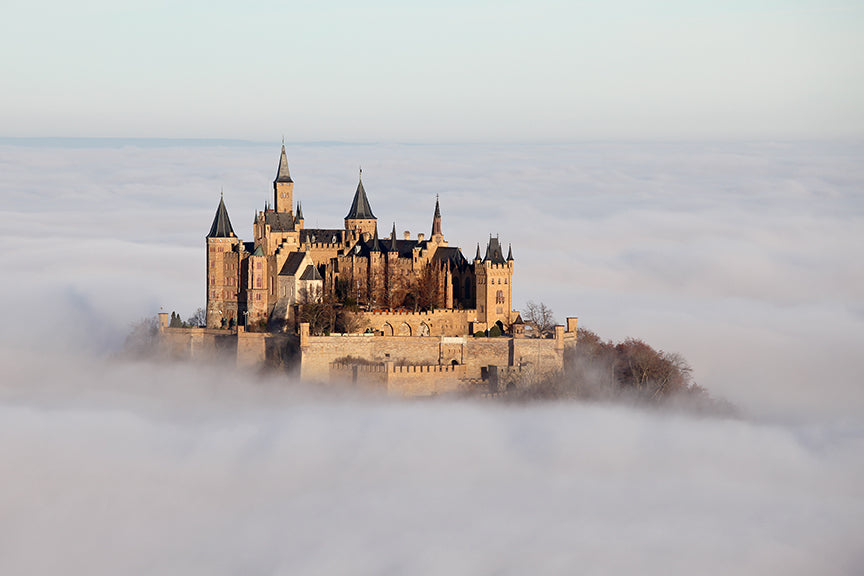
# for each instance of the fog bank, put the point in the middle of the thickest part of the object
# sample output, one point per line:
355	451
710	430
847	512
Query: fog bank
129	468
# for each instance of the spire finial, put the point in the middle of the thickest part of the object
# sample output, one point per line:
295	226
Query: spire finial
283	140
361	172
221	193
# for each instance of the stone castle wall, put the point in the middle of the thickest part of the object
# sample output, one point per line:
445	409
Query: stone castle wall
440	322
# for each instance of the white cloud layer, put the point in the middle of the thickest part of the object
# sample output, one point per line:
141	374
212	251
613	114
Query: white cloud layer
741	256
128	468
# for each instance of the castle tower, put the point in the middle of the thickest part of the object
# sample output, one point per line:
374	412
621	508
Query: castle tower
223	271
360	216
283	186
494	284
437	237
298	219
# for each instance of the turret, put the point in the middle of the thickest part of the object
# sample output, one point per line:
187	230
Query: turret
223	265
298	219
283	186
494	288
360	216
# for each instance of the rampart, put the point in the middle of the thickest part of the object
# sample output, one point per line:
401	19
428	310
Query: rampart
406	323
398	365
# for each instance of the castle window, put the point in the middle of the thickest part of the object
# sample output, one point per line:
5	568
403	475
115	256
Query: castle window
258	282
505	281
499	297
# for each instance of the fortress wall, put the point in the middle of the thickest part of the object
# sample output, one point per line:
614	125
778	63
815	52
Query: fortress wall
440	322
320	351
251	348
198	343
406	381
546	355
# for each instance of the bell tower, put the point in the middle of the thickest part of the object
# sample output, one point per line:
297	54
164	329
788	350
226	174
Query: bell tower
283	186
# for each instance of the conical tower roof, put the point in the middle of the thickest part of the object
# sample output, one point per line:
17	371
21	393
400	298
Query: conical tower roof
299	211
509	253
221	227
374	245
360	208
393	239
282	175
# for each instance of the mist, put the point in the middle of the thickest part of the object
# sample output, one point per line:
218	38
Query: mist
740	256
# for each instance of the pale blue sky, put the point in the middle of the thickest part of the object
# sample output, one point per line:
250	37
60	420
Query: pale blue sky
451	71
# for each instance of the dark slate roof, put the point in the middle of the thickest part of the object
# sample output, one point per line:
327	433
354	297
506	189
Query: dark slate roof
493	252
321	236
299	211
509	253
477	257
360	206
450	254
221	227
292	264
311	273
279	221
282	175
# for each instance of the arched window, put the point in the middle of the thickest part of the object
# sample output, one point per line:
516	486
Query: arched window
499	297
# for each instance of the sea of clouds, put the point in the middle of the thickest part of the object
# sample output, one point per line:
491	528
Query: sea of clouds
743	257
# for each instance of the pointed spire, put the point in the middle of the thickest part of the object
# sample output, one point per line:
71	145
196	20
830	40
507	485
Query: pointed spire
221	227
393	239
436	219
299	211
375	246
509	252
360	208
477	256
282	175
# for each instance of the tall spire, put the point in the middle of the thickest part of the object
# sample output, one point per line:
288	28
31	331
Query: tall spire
375	246
360	208
299	211
509	252
477	257
221	227
282	175
393	239
436	220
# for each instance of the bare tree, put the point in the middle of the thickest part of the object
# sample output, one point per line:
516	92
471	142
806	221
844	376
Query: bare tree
198	319
540	317
317	308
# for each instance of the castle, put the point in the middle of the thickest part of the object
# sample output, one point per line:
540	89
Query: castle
264	282
420	310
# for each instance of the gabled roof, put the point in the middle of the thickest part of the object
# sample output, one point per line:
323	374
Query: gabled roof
450	254
221	227
360	208
292	264
282	175
259	251
493	252
311	273
279	221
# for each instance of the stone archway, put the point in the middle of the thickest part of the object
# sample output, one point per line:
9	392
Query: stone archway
424	329
387	329
404	329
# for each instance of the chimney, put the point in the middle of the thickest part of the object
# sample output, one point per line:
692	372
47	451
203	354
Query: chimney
420	237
